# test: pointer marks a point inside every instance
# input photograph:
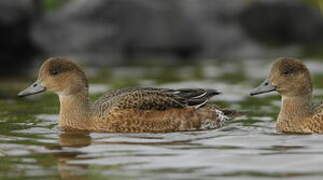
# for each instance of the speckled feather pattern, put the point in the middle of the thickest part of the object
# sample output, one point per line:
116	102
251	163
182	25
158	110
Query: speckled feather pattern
136	121
151	99
156	110
317	120
312	123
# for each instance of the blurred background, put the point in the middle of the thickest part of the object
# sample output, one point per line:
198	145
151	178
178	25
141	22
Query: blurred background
123	32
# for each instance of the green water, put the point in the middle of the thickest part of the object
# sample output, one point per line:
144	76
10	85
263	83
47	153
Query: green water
32	146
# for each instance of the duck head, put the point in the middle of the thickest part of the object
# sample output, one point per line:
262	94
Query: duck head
288	76
60	76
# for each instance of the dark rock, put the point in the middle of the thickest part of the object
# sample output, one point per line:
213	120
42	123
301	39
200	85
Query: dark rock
110	29
125	29
218	28
282	21
16	46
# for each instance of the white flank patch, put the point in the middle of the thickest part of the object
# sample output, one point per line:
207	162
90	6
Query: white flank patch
223	118
211	123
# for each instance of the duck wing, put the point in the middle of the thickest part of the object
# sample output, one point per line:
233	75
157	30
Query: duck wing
153	99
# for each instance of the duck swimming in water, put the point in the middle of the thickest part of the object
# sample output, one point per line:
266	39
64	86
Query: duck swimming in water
129	110
292	80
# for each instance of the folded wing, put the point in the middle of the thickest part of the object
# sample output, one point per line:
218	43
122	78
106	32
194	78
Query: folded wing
153	99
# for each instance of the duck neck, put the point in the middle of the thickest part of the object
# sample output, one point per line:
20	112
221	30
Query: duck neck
294	110
75	111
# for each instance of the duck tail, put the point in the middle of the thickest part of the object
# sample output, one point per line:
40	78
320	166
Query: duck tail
234	113
229	113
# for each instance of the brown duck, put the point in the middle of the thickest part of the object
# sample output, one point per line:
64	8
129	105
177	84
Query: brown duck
291	78
130	110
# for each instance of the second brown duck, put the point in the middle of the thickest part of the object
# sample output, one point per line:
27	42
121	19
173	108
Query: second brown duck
291	79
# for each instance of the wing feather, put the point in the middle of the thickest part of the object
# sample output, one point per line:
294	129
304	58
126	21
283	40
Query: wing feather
153	99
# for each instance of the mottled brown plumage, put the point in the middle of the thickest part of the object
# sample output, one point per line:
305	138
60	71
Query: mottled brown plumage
147	98
291	78
134	120
125	110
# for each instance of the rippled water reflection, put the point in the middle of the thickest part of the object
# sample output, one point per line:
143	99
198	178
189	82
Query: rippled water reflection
32	147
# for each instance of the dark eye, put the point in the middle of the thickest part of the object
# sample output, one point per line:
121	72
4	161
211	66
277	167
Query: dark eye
287	71
54	72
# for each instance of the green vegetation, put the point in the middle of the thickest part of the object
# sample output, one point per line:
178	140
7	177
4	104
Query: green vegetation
52	4
315	3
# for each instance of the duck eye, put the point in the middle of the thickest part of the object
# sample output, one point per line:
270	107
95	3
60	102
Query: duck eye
54	72
288	71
